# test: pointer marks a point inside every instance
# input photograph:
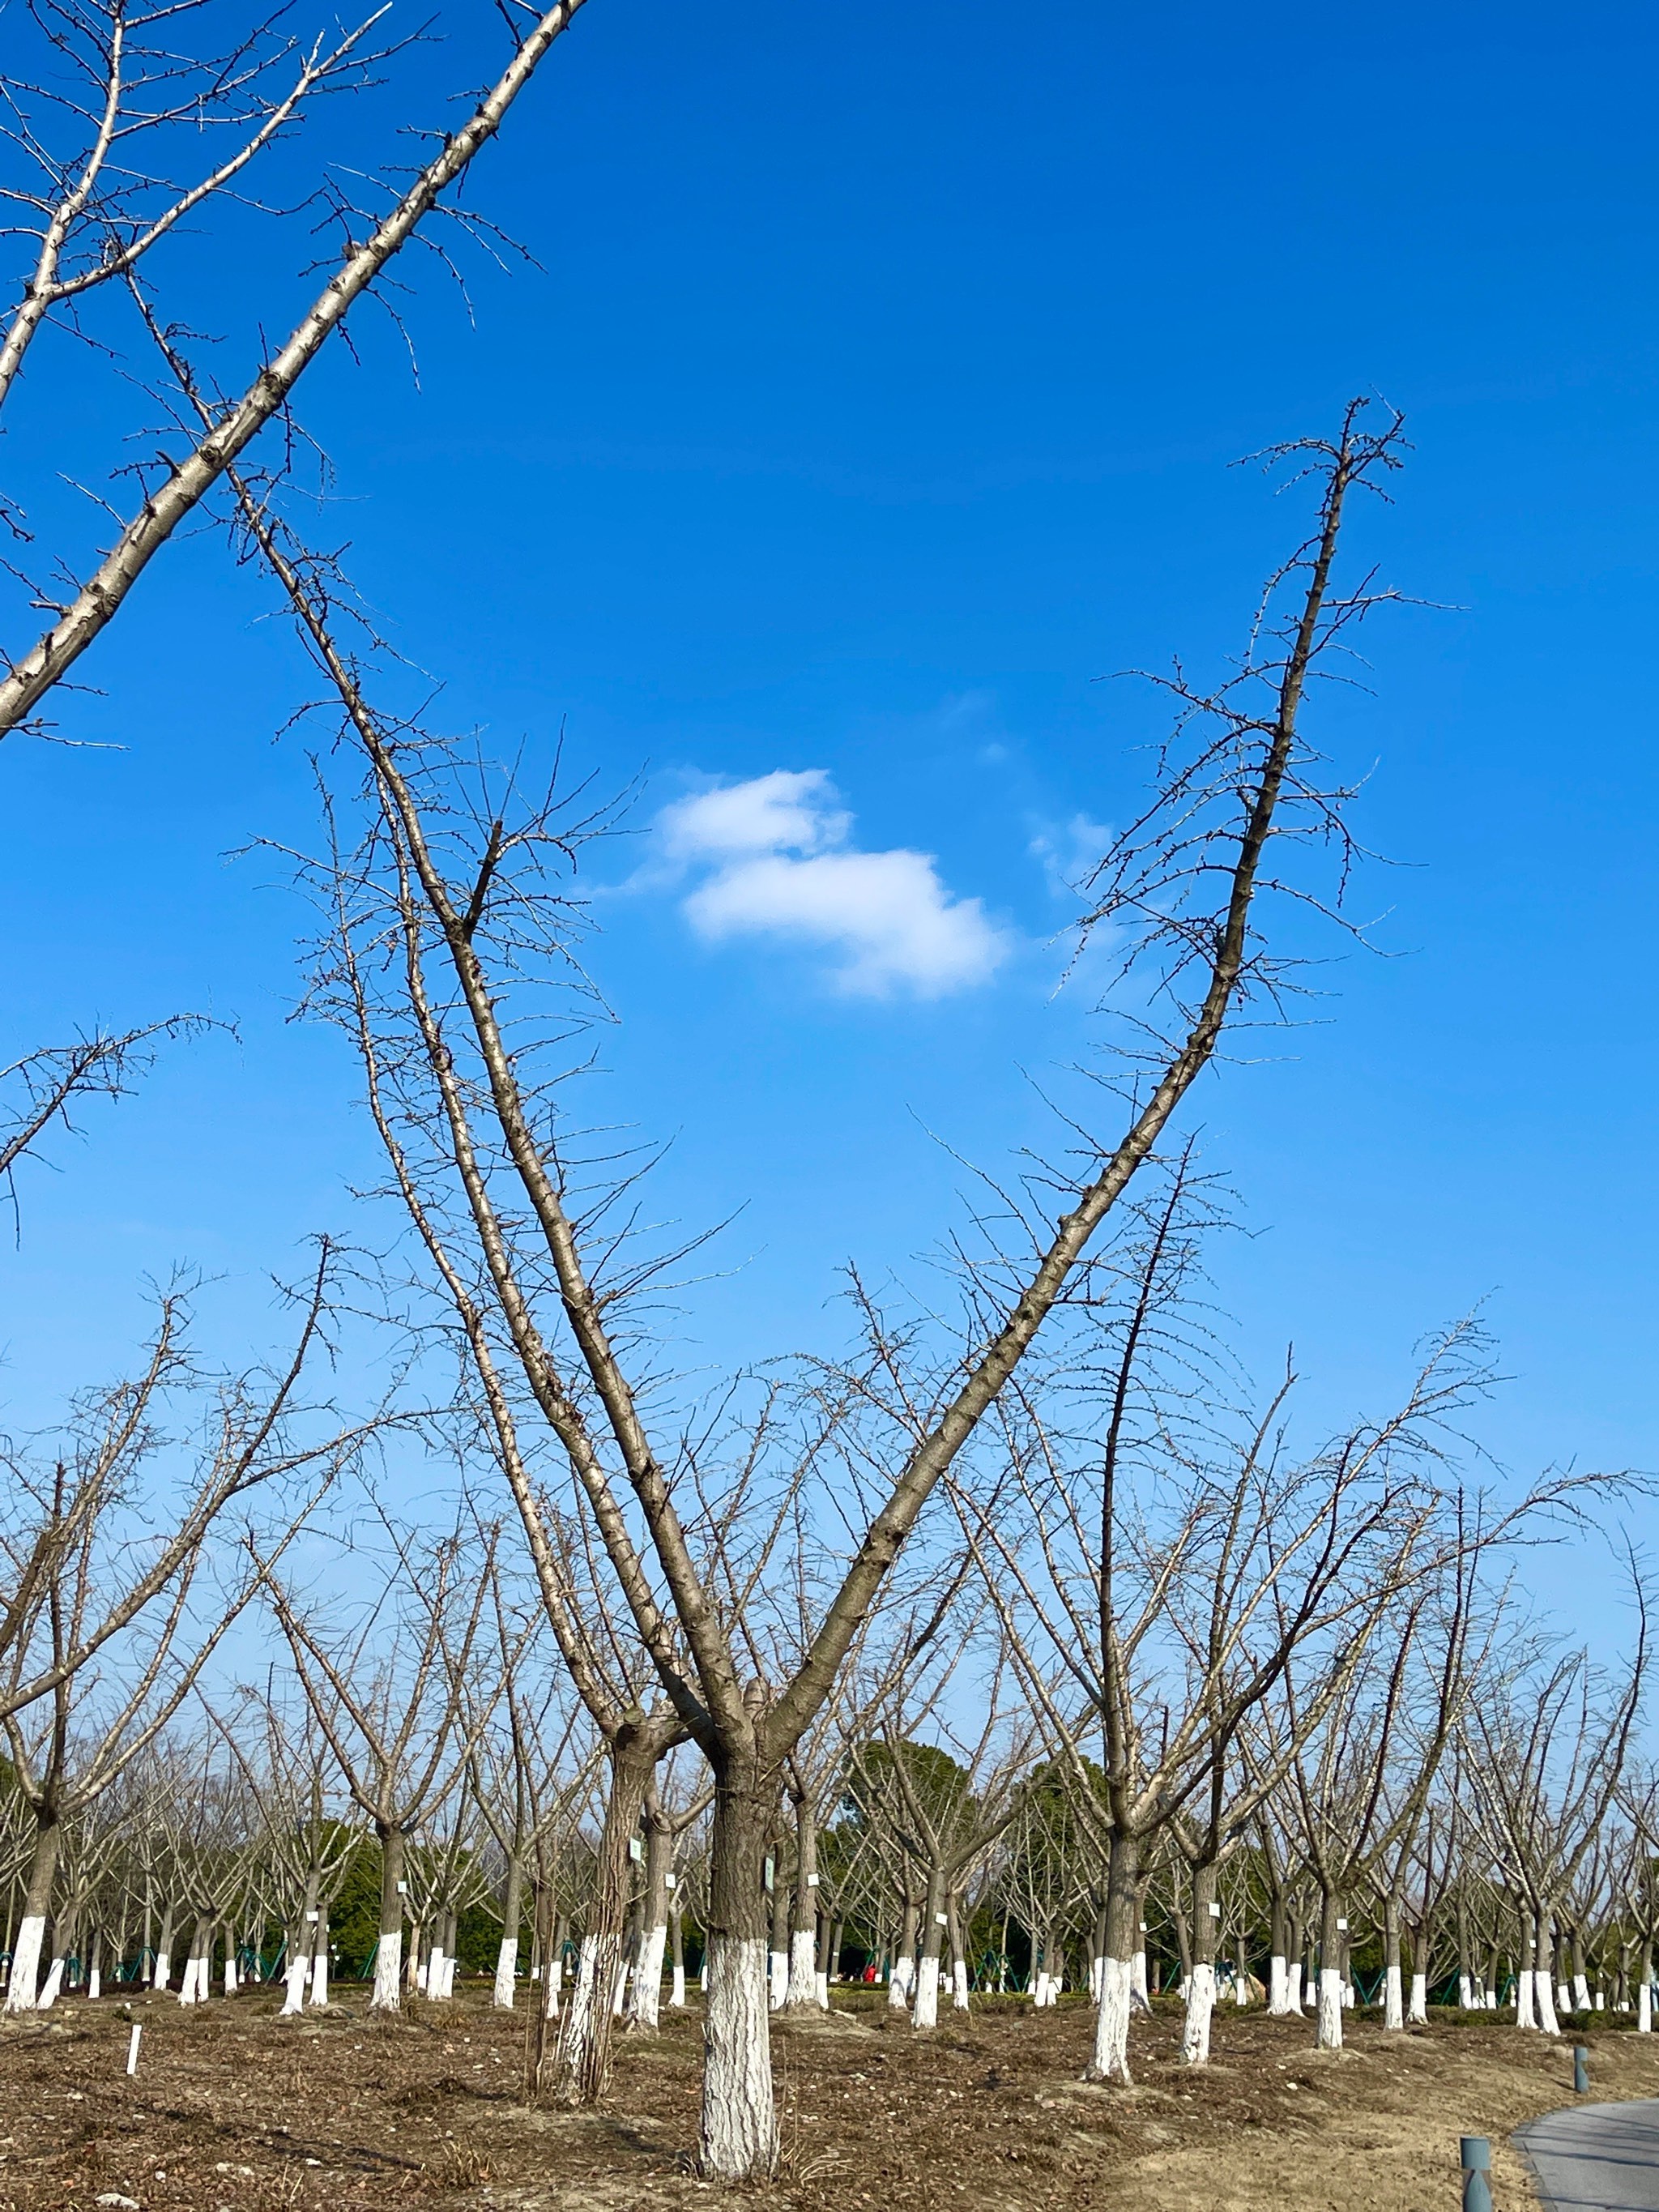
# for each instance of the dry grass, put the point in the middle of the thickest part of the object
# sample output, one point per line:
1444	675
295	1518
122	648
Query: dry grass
232	2108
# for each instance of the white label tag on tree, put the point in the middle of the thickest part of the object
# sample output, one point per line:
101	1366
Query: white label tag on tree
403	1889
942	1920
811	1882
1143	1928
672	1881
311	1916
635	1849
769	1874
1215	1912
1342	1927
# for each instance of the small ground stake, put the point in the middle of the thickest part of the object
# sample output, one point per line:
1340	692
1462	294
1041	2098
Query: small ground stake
132	2048
1580	2067
1475	2152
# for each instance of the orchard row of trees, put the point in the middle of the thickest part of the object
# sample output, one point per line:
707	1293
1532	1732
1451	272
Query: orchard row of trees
391	1804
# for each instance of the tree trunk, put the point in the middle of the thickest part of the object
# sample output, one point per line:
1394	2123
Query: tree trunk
739	2134
645	2000
1200	1989
23	1989
803	1988
1543	1978
959	1976
1278	1980
1328	2032
1393	2009
935	1920
389	1951
1110	2059
584	2059
507	1958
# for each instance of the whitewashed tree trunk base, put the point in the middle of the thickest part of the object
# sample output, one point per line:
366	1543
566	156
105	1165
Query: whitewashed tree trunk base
739	2130
1111	2060
1200	2007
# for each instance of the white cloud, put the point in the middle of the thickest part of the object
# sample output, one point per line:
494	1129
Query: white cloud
780	864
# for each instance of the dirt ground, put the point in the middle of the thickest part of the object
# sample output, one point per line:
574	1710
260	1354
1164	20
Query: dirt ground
235	2110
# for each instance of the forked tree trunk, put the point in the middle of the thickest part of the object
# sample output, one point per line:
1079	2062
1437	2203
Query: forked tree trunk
738	2133
1201	1992
584	2058
23	1989
1110	2061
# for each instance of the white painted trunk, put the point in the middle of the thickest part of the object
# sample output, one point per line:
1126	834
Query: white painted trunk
95	1985
506	1968
431	1980
1580	1995
163	1972
1394	2009
297	1974
677	1994
1240	1989
898	1996
1137	1988
778	1980
1524	2014
740	2131
1110	2062
554	1986
320	1980
449	1965
1645	2009
1465	1992
803	1984
1200	2005
50	1987
1418	2011
925	2013
388	1973
1543	1993
577	2032
21	1990
1293	1987
1095	1965
1329	2032
647	1979
958	1986
230	1974
1278	1988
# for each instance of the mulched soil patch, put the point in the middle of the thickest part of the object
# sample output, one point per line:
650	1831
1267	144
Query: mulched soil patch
235	2110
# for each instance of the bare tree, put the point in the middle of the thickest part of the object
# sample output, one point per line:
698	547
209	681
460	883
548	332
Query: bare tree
1180	886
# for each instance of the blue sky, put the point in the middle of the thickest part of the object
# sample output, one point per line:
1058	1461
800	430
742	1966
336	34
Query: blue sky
871	396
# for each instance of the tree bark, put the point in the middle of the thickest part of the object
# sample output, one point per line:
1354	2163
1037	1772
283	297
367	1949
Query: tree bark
584	2059
738	2133
1328	2032
22	1990
1200	1991
1120	1940
389	1951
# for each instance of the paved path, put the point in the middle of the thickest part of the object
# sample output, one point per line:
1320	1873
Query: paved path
1597	2157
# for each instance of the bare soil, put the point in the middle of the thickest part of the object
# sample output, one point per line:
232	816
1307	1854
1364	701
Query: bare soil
232	2108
